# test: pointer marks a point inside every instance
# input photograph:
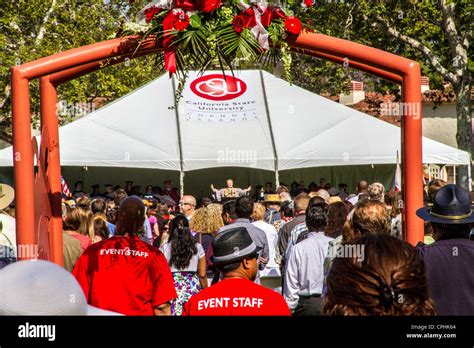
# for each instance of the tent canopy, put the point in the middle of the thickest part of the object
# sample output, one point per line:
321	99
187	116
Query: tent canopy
254	120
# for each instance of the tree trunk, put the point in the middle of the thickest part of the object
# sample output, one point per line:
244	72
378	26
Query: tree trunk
464	127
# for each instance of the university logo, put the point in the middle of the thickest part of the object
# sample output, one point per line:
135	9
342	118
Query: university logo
218	87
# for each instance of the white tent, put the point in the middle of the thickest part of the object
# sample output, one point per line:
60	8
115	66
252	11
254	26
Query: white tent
254	120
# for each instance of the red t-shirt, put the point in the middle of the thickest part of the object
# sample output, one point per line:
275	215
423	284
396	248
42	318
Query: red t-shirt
125	275
236	296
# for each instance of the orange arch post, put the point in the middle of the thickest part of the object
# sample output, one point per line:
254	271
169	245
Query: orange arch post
73	63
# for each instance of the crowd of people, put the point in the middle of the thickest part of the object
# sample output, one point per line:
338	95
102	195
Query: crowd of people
334	252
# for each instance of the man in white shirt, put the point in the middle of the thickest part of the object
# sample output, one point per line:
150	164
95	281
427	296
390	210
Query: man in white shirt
272	269
7	225
305	266
300	229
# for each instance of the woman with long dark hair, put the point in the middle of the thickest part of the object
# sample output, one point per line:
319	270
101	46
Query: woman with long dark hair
187	261
378	275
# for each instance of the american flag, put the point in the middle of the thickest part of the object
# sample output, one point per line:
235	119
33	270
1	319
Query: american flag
64	187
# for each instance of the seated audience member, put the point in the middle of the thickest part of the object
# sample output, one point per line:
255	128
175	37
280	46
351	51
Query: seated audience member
385	276
187	262
305	265
78	191
95	191
449	260
124	274
236	256
38	287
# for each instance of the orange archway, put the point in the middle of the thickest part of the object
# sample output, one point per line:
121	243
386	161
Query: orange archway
37	171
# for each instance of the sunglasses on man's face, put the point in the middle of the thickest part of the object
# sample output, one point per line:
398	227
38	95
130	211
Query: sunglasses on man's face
183	203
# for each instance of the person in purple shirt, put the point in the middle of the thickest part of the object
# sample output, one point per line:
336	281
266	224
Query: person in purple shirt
449	261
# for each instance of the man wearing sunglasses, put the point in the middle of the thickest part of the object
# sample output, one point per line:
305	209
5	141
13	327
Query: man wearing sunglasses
187	206
235	255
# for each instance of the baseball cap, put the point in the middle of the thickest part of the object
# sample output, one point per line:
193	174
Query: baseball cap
38	287
233	245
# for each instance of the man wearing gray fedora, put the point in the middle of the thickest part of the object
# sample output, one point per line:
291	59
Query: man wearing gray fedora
450	259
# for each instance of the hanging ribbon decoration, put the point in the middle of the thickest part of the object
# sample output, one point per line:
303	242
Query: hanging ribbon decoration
169	52
252	19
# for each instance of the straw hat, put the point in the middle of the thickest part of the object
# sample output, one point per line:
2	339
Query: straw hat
7	194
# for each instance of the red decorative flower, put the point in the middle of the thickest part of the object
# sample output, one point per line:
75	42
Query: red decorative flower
181	20
209	5
150	12
308	3
293	25
238	23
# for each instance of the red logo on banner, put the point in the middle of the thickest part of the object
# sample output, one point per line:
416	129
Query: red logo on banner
218	87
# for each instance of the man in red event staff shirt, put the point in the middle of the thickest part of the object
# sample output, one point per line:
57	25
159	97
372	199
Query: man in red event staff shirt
235	255
124	274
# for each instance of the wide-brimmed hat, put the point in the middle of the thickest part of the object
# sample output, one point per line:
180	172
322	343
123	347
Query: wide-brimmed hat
232	245
7	194
271	198
452	205
38	287
333	191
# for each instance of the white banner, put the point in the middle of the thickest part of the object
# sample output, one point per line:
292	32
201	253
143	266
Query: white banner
215	97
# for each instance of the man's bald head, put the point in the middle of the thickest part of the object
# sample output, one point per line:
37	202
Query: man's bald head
131	216
188	205
362	186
